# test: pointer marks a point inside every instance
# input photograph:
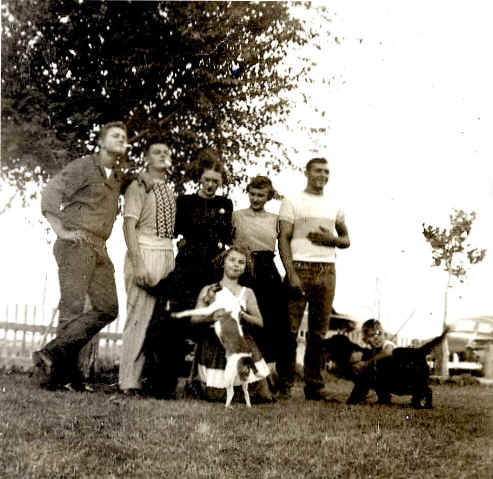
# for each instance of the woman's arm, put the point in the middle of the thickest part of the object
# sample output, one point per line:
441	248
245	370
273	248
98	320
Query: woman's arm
252	314
130	233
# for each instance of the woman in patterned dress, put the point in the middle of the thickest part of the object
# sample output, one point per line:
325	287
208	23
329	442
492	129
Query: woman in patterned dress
149	221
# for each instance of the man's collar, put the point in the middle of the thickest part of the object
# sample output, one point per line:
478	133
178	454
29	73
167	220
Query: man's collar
96	158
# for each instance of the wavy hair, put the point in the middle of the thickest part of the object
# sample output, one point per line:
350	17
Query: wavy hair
262	182
207	159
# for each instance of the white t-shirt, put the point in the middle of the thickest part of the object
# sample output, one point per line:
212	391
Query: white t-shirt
307	213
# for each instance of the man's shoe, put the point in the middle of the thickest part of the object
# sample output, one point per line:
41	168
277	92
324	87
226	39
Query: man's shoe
44	368
319	395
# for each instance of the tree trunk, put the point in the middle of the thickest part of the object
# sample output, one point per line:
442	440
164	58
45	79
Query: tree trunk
442	355
488	362
442	352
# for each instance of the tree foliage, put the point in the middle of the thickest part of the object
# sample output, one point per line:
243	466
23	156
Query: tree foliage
199	73
450	246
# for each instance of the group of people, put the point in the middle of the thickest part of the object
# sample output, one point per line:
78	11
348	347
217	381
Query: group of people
220	251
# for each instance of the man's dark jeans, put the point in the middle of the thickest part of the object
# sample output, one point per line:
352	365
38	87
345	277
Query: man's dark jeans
83	270
319	280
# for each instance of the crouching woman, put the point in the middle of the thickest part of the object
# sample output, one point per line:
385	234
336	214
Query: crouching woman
210	357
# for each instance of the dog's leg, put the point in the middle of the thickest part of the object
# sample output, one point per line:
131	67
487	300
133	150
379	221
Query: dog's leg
427	395
384	397
230	391
416	399
206	311
422	398
358	394
229	376
247	394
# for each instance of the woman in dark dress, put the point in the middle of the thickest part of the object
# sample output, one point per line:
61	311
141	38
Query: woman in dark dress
203	219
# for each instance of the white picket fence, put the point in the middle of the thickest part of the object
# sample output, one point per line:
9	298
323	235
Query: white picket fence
25	328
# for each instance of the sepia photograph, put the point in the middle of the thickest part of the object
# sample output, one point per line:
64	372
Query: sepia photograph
246	239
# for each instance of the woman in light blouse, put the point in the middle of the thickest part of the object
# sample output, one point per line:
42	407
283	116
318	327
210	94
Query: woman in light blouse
257	229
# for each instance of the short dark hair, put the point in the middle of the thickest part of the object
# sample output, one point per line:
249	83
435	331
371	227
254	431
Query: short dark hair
113	124
262	182
208	159
371	324
316	160
153	140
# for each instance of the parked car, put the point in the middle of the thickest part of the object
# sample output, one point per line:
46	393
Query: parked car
467	341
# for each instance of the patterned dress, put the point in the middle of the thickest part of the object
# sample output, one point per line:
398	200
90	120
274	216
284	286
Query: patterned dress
155	215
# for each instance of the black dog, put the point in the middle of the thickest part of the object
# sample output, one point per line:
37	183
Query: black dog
404	372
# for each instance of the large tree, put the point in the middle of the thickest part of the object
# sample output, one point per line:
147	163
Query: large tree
452	252
202	73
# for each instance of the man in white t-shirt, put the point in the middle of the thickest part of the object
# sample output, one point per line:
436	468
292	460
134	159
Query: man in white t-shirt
312	226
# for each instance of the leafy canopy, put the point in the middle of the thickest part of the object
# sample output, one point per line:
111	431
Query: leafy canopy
199	73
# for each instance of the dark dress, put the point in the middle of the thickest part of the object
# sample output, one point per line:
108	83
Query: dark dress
258	231
205	224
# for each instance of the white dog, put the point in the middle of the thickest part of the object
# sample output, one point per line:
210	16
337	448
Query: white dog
239	361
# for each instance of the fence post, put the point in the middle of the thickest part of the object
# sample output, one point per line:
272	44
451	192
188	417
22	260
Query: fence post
23	332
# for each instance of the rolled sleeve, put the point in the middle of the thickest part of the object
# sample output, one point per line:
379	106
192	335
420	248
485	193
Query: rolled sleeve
340	217
286	212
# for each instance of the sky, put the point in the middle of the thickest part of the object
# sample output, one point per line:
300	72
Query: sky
410	116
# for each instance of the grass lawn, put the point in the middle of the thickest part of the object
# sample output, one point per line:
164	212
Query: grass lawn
96	435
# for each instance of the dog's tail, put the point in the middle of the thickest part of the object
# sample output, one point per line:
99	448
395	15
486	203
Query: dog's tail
427	347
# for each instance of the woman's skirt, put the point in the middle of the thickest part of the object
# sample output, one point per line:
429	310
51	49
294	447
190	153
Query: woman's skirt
267	285
210	361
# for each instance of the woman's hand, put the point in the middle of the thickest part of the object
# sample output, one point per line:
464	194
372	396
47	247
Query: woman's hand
140	274
210	294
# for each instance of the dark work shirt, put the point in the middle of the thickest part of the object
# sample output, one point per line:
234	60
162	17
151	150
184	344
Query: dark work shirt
83	197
